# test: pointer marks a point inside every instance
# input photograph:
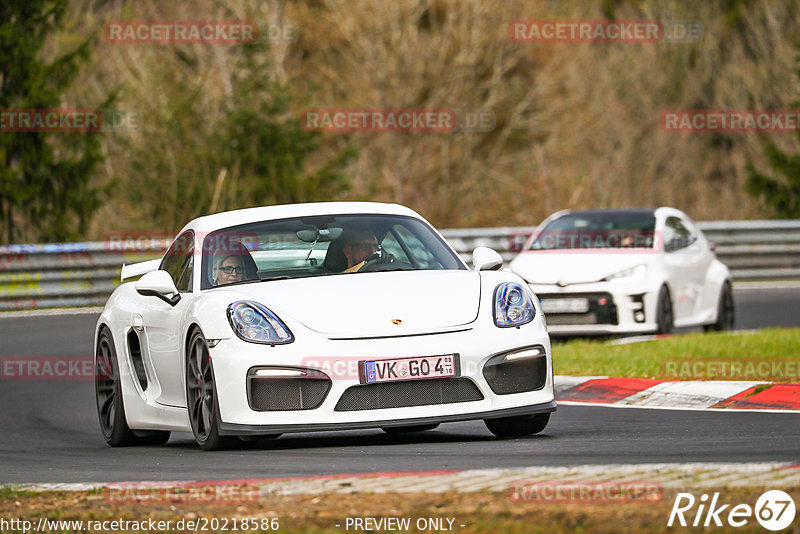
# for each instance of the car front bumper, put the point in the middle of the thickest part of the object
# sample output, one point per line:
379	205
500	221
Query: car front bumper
630	308
233	429
234	360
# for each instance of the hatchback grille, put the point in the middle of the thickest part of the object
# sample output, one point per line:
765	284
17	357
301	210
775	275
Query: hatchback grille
602	309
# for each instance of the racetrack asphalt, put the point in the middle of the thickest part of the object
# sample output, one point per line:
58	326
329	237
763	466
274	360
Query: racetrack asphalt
49	430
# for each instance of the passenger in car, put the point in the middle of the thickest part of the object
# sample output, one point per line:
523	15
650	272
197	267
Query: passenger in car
227	269
232	263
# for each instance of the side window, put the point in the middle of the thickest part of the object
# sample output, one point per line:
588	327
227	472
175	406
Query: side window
417	251
676	235
179	261
691	232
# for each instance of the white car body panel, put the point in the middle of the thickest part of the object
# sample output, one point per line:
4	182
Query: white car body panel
138	269
345	318
693	275
364	306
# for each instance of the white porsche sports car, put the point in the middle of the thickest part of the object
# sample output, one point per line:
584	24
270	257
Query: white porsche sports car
625	271
321	316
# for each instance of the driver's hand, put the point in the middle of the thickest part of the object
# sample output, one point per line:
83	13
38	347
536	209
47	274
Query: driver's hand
378	257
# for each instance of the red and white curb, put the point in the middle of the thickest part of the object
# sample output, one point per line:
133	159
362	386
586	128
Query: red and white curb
667	475
686	395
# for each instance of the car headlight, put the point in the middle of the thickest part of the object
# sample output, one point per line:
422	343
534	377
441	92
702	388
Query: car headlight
255	323
512	305
628	275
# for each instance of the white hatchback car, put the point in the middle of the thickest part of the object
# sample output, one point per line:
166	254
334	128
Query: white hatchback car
321	316
620	271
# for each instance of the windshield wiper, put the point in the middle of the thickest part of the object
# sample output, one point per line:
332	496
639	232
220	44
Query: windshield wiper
270	278
237	283
252	280
393	269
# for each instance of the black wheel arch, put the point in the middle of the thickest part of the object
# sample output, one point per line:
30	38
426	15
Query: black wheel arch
725	283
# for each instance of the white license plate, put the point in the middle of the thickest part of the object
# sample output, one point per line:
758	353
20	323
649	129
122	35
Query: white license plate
410	368
579	305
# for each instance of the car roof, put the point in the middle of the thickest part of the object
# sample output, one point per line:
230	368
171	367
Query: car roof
210	223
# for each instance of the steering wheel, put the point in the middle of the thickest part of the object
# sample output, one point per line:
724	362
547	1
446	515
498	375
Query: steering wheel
376	259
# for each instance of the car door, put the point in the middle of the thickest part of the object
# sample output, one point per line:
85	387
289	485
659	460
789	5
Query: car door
699	257
161	324
684	258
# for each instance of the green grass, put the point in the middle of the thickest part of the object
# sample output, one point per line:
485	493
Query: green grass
7	492
771	355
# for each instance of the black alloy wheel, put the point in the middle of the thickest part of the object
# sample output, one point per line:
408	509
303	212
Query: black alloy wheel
201	396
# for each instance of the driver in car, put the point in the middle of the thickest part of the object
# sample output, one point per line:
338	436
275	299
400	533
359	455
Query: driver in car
360	245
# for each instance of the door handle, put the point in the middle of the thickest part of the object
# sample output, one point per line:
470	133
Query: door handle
138	322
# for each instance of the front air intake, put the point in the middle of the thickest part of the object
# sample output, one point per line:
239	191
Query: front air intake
506	376
408	393
135	350
286	389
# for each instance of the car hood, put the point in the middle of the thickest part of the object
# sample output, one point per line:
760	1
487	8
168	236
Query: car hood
366	304
575	267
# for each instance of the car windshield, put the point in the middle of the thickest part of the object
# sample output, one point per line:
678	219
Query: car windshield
320	246
598	230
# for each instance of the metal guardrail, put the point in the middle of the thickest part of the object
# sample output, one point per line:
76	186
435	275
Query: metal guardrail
84	274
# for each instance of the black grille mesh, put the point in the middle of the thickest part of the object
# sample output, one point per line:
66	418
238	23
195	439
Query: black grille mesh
265	394
408	393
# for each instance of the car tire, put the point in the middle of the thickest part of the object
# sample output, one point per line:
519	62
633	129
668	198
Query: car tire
409	428
110	406
201	396
726	311
664	313
517	426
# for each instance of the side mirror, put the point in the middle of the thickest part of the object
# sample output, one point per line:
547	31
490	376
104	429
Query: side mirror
158	284
486	259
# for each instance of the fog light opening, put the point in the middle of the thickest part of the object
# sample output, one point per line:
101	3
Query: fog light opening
279	373
527	353
638	308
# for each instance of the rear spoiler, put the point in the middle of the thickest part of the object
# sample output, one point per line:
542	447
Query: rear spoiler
138	269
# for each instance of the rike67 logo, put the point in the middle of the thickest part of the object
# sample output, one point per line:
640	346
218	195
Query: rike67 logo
774	510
